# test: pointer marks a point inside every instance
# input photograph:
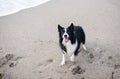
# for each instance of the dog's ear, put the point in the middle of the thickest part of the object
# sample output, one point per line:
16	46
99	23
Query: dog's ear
59	28
71	26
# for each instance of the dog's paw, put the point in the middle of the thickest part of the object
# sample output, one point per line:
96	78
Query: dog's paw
62	63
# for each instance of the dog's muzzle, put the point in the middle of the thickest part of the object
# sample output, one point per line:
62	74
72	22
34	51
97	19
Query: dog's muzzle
66	39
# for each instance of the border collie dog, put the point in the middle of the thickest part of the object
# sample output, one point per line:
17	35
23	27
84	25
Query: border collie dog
70	40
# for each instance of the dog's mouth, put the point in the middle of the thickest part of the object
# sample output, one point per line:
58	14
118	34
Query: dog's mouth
66	39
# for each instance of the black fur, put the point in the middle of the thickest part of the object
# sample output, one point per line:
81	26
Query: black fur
74	32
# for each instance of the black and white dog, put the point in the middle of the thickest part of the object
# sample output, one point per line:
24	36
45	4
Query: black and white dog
70	40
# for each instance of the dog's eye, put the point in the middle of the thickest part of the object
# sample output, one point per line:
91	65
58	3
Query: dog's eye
68	32
63	31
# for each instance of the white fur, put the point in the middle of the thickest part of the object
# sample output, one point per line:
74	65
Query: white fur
63	59
70	47
84	47
72	58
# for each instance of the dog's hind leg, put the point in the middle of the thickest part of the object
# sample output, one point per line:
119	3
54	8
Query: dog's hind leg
84	47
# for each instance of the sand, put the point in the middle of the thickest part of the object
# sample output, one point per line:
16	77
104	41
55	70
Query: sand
29	41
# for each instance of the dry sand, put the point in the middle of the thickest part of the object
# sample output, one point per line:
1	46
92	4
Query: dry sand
29	41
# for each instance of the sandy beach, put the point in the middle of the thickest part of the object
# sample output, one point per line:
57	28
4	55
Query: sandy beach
29	46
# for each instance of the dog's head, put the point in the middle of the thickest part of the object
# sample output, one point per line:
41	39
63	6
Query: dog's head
66	34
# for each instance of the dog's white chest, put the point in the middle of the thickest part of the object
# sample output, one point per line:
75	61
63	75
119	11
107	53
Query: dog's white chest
71	47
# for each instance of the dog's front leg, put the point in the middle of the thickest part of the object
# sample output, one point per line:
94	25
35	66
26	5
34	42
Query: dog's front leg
63	59
72	58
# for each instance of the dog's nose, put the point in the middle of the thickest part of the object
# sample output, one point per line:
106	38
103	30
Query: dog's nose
65	36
